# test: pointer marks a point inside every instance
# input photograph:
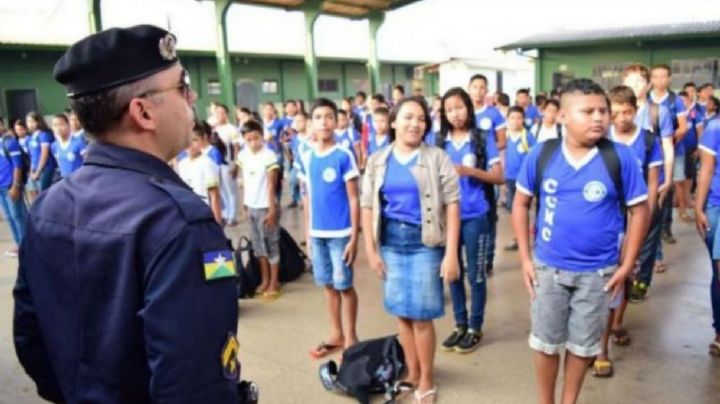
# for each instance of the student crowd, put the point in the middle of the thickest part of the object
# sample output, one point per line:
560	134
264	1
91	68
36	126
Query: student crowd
423	183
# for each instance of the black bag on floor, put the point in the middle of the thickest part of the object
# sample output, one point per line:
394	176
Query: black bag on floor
248	267
293	260
368	367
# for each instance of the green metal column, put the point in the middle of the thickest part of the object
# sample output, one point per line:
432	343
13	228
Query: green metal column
94	17
311	11
375	21
222	54
539	71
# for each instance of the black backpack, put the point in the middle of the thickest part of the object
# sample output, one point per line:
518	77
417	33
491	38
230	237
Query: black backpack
248	266
607	153
25	158
558	128
369	367
293	260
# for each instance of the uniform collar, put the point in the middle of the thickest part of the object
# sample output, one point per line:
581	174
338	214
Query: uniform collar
109	155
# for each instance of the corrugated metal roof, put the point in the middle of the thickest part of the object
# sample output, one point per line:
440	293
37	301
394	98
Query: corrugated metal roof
615	35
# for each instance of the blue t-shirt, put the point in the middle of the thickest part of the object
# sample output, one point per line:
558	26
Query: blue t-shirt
430	138
642	120
400	192
375	145
9	161
709	118
325	175
710	143
299	145
532	115
637	145
68	155
214	155
473	202
80	133
490	119
287	122
37	140
516	151
345	140
25	144
275	128
675	109
695	120
579	224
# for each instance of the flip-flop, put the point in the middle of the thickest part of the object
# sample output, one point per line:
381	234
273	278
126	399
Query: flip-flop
602	369
420	398
324	349
621	337
271	296
714	349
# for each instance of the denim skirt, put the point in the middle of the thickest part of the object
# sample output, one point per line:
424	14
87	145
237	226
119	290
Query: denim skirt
413	286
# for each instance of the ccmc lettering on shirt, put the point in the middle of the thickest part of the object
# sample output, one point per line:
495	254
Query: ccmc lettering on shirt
218	265
550	186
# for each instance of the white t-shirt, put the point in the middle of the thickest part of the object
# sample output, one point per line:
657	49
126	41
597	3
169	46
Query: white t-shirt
255	168
229	134
545	133
200	173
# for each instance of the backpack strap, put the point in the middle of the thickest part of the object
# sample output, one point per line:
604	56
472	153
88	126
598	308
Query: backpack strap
654	112
549	147
558	127
612	164
649	138
524	140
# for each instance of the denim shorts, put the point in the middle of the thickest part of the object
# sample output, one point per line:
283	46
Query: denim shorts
413	286
265	241
328	266
712	236
570	310
679	169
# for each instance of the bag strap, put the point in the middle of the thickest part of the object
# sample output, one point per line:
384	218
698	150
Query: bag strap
654	112
612	164
649	143
558	127
549	147
524	140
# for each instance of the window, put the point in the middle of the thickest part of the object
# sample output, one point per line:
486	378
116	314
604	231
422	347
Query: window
269	86
213	87
328	85
608	75
559	79
700	71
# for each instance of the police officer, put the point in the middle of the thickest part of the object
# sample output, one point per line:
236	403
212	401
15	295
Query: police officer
126	289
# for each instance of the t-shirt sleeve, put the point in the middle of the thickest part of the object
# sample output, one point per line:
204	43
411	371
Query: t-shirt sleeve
212	179
680	107
348	167
45	138
666	125
499	120
300	164
525	181
271	161
656	158
493	156
13	148
632	177
708	141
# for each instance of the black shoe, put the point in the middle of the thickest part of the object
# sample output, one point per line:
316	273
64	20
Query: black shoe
469	342
512	247
669	238
292	205
489	271
451	342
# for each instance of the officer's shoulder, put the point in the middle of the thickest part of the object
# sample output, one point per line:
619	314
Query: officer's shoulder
189	205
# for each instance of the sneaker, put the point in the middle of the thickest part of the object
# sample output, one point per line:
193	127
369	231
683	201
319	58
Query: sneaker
451	342
639	291
470	342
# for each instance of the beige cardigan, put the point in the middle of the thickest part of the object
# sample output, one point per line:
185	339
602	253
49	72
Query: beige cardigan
438	186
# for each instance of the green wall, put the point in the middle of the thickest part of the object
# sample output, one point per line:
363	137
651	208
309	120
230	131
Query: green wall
32	69
580	60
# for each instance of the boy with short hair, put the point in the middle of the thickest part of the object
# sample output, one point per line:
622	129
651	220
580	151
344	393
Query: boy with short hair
487	117
68	150
704	93
344	134
548	127
577	246
519	143
11	187
695	122
260	170
523	100
646	148
379	137
200	173
331	180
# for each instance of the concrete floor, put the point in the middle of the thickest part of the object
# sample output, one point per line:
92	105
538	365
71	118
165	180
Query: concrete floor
667	362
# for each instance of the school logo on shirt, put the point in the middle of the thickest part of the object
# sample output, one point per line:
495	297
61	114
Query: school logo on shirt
71	157
485	123
528	121
594	191
345	143
329	175
219	265
469	160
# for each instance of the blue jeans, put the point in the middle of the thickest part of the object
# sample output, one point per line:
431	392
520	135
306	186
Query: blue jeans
328	266
413	287
510	194
475	237
294	184
712	241
651	248
15	212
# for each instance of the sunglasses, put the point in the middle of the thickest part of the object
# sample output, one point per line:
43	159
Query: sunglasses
183	86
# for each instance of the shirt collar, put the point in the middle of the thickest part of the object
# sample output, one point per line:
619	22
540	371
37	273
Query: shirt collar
109	155
630	141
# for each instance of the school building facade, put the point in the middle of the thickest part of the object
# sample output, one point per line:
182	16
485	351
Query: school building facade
27	83
692	50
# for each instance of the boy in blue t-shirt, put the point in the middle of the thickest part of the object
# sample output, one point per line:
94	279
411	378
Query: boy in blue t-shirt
68	150
522	100
487	117
695	122
344	134
11	187
707	216
332	214
379	136
575	271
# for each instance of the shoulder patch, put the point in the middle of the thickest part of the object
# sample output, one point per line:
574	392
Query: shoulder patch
192	207
218	265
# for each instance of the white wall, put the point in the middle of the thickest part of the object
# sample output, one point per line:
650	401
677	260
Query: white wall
456	73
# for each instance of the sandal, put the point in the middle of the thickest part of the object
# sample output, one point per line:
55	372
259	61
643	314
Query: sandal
660	267
714	349
324	349
685	217
602	369
427	397
399	391
271	295
621	337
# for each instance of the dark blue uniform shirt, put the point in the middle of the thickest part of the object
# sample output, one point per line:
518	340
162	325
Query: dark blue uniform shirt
111	301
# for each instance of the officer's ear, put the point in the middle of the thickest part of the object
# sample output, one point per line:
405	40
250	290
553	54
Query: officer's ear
141	114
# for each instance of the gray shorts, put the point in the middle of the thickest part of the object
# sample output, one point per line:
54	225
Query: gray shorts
265	241
570	310
679	169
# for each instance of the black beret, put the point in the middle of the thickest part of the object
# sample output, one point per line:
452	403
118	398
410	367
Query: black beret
115	57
